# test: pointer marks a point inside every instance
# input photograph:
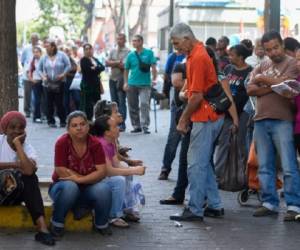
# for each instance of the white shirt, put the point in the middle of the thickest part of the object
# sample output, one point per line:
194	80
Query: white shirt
7	154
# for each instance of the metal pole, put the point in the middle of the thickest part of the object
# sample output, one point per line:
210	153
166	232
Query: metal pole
171	22
272	15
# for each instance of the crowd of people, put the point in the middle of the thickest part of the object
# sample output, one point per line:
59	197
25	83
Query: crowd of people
258	115
91	169
60	78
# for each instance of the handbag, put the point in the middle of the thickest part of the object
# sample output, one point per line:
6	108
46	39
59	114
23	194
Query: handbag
217	98
54	86
11	186
144	67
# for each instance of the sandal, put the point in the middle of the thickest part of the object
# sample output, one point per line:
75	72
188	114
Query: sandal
119	222
45	238
131	217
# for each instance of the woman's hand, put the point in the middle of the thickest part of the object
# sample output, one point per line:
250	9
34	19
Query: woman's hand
72	177
134	162
19	139
139	170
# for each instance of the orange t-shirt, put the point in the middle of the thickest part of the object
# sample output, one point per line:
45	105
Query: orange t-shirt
201	75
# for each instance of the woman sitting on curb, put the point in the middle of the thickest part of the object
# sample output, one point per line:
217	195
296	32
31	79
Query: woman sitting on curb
104	107
78	176
18	158
106	128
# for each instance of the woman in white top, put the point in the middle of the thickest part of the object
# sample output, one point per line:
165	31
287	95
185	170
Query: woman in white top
34	75
18	158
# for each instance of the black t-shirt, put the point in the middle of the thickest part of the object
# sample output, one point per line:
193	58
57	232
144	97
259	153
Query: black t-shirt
237	80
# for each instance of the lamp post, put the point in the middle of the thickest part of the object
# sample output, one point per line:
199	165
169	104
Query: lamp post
272	15
171	23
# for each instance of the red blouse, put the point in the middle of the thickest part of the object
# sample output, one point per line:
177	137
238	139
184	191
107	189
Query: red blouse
66	156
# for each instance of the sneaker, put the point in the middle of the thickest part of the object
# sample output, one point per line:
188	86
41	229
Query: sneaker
56	232
171	201
263	211
37	120
214	213
290	216
104	231
186	215
163	176
52	125
146	131
136	130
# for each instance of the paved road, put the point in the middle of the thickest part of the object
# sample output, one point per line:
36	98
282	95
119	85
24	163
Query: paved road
238	230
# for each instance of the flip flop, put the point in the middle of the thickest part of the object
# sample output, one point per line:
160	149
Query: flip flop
118	222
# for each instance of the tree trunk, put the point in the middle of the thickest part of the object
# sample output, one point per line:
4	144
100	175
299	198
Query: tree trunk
8	57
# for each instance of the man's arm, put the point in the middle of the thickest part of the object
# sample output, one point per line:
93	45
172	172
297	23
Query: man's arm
192	105
154	72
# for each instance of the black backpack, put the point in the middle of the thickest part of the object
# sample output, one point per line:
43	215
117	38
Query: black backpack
11	186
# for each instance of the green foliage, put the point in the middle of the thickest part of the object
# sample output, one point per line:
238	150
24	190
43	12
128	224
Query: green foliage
71	15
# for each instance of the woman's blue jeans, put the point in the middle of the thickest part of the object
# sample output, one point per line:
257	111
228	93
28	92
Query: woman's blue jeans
67	194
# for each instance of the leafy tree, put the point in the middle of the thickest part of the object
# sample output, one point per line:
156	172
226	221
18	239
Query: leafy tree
118	14
74	16
8	57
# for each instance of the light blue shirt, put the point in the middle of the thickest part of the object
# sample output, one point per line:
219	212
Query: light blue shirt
53	68
26	58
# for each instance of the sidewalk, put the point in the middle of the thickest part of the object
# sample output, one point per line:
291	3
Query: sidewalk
238	229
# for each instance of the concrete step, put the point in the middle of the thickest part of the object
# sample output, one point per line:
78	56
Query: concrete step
17	217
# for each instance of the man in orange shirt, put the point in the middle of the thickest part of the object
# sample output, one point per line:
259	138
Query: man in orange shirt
207	124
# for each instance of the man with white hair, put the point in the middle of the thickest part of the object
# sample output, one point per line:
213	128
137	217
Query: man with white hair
201	75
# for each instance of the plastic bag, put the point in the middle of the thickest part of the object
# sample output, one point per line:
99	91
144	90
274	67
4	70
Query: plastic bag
134	196
233	177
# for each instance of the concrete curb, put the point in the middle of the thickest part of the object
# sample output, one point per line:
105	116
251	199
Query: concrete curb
17	217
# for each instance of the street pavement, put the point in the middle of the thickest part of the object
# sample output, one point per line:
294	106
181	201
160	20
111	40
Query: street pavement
237	230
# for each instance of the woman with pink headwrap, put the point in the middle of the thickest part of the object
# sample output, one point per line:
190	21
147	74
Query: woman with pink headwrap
20	157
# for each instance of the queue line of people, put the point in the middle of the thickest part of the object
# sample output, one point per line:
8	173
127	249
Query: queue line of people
208	131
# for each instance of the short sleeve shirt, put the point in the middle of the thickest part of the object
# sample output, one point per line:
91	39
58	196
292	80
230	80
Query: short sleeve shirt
7	154
136	76
108	147
201	75
66	156
117	54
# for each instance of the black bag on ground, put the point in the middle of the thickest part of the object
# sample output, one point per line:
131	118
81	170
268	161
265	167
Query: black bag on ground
11	186
217	98
233	177
144	67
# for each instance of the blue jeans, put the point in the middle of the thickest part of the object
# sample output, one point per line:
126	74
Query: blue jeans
182	179
118	96
271	136
67	194
173	140
201	175
75	97
117	186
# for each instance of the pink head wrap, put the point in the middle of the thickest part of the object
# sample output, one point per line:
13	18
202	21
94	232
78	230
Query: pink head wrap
5	120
